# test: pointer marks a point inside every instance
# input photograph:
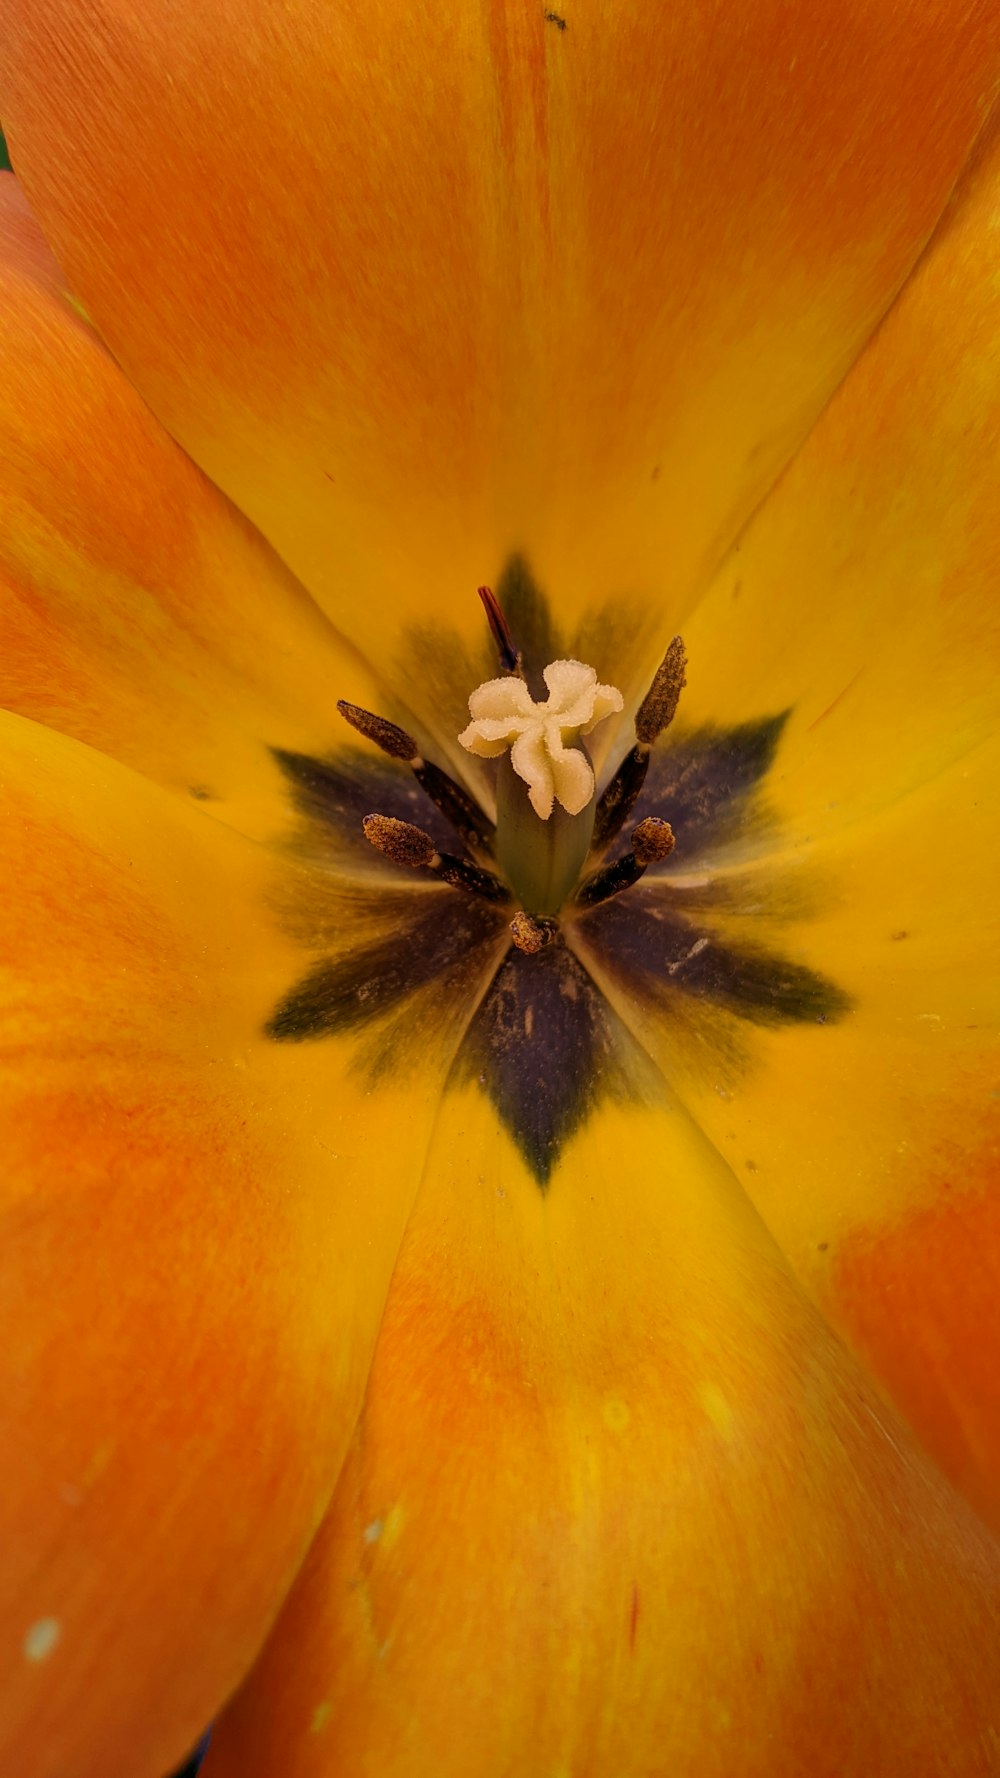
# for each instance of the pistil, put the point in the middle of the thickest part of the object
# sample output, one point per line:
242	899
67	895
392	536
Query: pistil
545	780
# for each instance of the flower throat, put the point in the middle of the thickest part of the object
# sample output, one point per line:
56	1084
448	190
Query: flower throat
544	854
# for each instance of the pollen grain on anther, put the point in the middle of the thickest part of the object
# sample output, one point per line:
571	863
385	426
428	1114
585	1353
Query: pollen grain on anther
531	934
659	706
386	735
652	841
399	840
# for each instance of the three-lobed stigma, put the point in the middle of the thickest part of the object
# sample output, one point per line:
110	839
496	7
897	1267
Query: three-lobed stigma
543	738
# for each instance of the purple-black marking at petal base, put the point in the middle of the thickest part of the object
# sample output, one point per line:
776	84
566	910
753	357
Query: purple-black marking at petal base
433	965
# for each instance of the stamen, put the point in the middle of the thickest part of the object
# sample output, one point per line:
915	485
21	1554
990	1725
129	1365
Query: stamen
659	706
399	840
459	808
392	740
409	845
618	798
652	841
531	935
510	655
655	713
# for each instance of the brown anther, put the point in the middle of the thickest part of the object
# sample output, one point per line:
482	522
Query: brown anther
409	845
472	827
652	840
531	935
659	706
400	841
392	740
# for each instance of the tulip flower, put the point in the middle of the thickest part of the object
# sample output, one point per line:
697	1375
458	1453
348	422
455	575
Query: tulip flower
499	1220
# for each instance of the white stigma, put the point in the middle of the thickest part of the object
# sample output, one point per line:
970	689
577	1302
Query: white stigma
541	737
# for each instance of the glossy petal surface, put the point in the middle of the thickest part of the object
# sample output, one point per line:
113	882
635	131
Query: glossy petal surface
579	291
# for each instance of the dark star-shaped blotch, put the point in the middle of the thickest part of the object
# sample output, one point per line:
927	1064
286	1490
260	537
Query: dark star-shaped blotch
535	1031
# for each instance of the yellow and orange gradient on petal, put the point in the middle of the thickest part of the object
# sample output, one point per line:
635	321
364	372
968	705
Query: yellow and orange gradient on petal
582	289
616	1495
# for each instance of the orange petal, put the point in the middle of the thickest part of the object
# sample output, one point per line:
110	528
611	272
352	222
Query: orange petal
198	1230
422	287
620	1504
138	611
919	1297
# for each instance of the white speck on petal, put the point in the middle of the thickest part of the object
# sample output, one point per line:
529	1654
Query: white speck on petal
504	714
42	1638
372	1532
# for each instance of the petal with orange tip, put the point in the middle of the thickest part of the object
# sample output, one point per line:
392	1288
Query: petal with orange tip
198	1227
423	286
620	1504
139	612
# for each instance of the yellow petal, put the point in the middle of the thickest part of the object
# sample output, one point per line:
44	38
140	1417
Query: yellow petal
863	596
502	279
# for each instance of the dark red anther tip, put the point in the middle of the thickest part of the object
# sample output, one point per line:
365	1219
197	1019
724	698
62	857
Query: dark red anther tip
510	660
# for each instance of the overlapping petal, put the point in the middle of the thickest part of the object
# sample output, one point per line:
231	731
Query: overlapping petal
139	612
863	597
504	278
198	1230
619	1502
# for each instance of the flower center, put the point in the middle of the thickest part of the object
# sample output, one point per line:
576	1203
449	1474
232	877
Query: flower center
550	823
525	1000
545	781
